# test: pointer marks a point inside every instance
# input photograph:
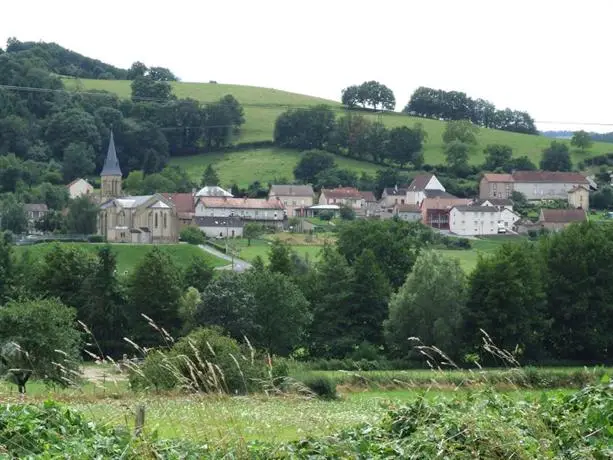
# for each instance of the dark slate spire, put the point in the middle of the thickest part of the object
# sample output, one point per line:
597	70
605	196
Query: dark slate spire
111	164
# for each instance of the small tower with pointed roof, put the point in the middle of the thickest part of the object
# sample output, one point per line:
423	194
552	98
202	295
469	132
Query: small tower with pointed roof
110	177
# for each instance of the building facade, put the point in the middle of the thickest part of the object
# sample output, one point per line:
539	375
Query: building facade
579	197
558	219
295	198
79	187
220	227
416	192
481	220
534	185
267	212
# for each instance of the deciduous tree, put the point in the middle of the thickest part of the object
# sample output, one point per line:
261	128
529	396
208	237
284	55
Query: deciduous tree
312	163
556	157
497	156
582	140
210	177
460	130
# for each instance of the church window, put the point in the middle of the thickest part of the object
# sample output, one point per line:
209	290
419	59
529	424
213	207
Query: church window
122	218
165	221
156	220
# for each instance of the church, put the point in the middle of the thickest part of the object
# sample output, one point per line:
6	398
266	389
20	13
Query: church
133	219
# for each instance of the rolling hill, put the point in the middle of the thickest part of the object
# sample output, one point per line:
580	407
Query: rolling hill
262	107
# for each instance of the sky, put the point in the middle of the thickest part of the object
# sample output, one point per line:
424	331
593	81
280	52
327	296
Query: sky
544	56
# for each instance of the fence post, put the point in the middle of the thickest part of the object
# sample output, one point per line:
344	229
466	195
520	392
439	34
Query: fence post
140	420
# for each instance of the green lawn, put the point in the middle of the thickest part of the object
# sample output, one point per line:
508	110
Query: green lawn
263	106
262	247
129	255
265	165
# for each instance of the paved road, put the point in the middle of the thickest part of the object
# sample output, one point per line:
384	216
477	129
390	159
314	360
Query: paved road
239	265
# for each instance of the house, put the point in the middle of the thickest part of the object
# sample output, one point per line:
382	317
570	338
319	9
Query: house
502	202
35	212
213	190
220	227
133	219
416	192
524	226
295	198
481	220
185	206
392	196
558	219
348	196
407	212
579	197
435	211
535	185
268	212
79	187
371	206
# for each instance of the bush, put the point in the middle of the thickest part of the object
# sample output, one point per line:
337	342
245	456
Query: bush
95	239
206	360
323	387
326	215
192	235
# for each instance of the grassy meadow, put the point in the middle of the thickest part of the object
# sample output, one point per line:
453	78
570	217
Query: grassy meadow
263	106
129	255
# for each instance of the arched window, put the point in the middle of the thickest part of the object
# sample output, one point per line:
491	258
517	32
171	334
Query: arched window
165	221
156	220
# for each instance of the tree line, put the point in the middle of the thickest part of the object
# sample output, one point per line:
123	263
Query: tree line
456	105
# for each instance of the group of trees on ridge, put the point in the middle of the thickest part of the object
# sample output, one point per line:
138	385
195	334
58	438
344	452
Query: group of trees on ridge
543	300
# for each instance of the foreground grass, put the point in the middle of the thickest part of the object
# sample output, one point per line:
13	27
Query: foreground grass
263	106
130	255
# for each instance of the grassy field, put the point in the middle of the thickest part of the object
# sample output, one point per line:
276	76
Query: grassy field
129	255
481	247
265	165
263	105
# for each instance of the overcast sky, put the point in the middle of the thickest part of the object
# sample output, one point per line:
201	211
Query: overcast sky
548	57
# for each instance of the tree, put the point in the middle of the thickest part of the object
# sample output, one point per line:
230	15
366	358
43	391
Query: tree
279	258
78	161
497	156
210	177
305	129
602	198
45	330
369	298
146	88
82	216
429	306
507	300
192	235
188	305
197	274
347	213
252	231
582	140
374	94
154	290
72	126
405	145
312	163
228	302
350	96
7	274
161	74
103	310
461	130
12	215
281	312
556	157
136	70
456	153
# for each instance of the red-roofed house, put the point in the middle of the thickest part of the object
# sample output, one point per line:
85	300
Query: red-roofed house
535	185
558	219
266	211
496	186
184	202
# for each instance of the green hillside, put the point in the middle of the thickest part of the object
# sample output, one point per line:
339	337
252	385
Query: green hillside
129	255
263	105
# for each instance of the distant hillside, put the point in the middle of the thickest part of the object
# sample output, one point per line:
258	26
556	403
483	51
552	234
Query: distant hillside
598	137
63	61
263	106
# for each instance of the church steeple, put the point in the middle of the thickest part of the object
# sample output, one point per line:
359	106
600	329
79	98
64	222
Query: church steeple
110	177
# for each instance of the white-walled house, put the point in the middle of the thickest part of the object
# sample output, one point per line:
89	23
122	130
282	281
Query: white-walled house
481	220
270	212
220	227
505	203
79	187
416	192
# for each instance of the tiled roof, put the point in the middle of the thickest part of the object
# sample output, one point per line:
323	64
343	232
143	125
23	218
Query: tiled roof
473	208
213	190
391	191
443	203
549	176
291	190
342	192
490	177
419	182
407	208
579	187
184	202
368	196
240	203
563	216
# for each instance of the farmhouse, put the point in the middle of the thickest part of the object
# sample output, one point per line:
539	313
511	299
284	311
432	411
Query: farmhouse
392	196
421	185
220	227
435	211
558	219
295	198
348	196
34	212
535	185
265	211
481	220
133	219
79	187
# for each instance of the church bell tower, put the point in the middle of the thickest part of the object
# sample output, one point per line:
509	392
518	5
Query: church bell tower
110	177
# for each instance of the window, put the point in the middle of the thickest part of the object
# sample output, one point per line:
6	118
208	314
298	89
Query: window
165	221
294	203
122	218
156	220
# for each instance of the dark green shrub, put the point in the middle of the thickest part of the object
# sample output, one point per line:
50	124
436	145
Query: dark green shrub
95	239
326	215
323	387
192	235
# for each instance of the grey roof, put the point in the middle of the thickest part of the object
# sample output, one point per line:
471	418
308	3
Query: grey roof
494	201
291	190
438	194
476	208
213	190
393	191
111	164
128	202
207	221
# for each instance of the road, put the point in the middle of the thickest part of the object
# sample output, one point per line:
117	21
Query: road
239	265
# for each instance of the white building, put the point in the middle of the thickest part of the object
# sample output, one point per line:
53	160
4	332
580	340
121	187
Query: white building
79	187
213	190
481	220
416	192
249	209
220	227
